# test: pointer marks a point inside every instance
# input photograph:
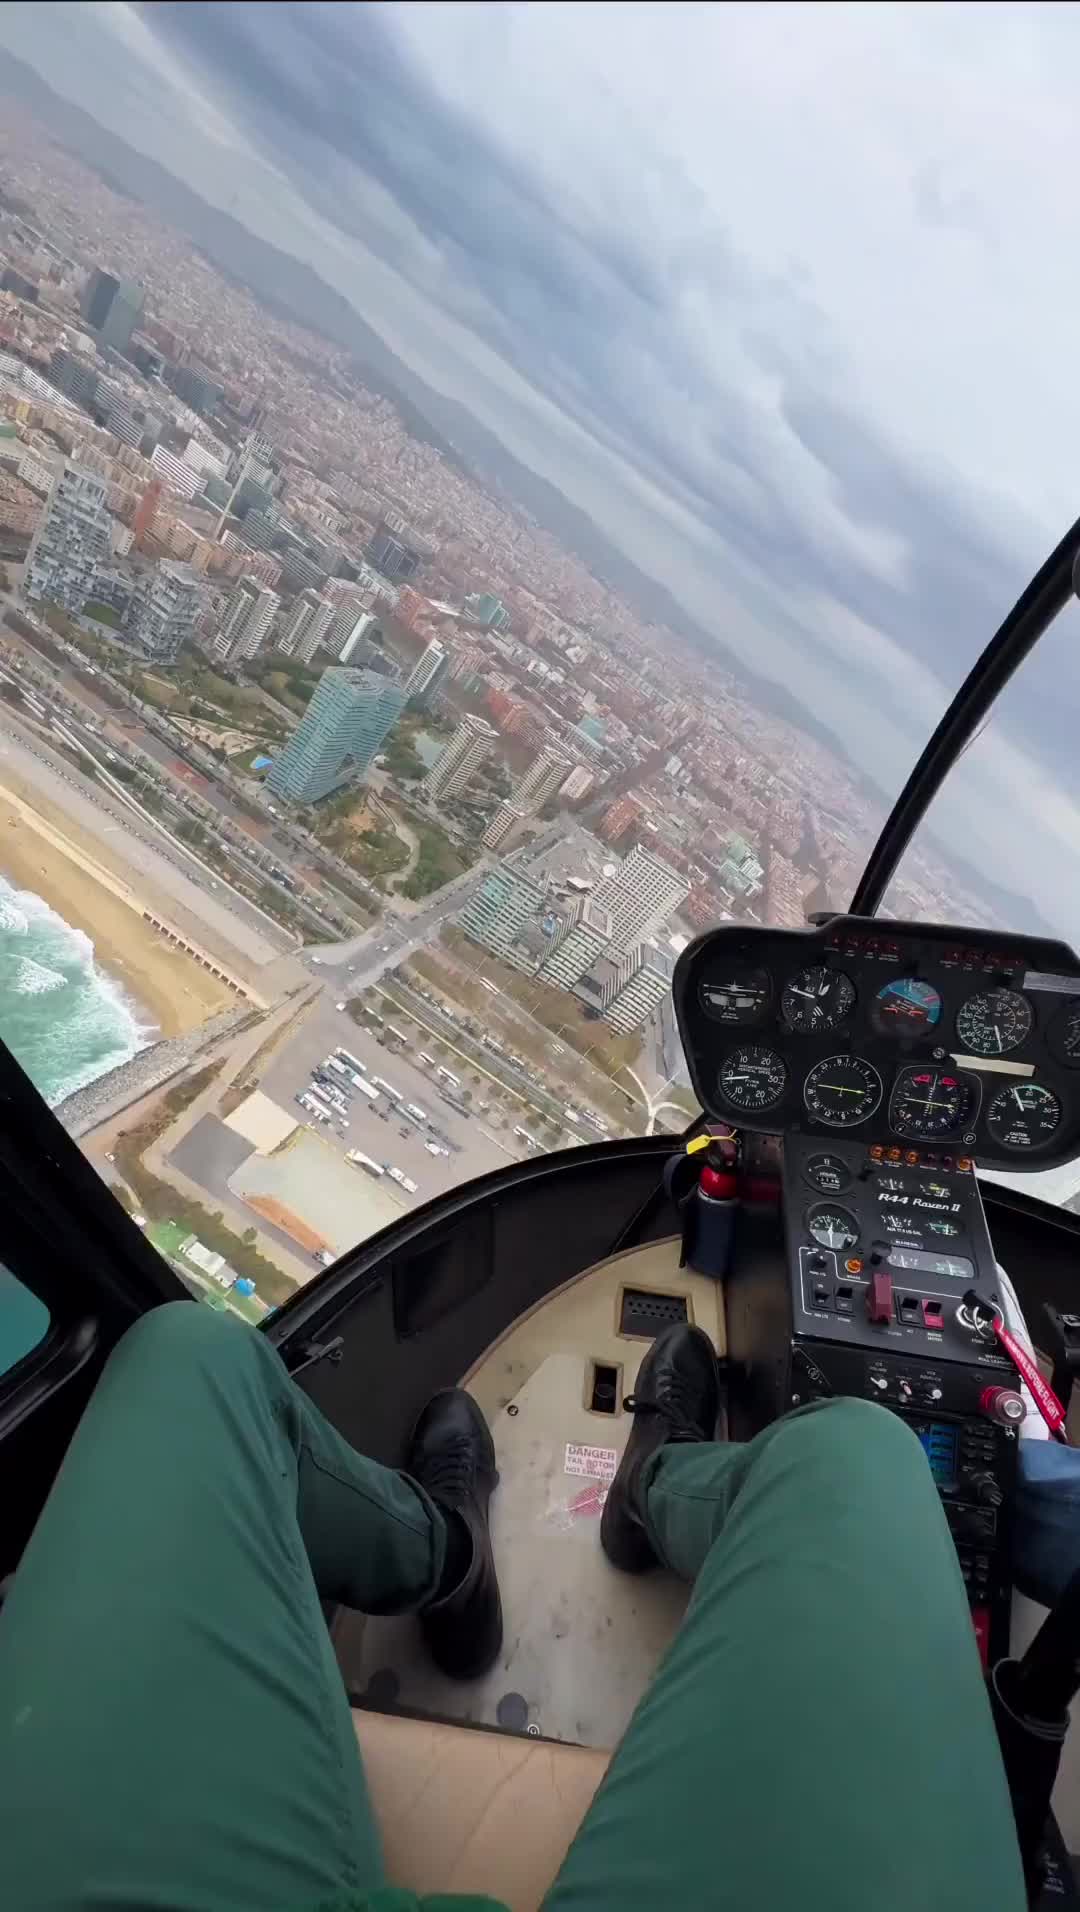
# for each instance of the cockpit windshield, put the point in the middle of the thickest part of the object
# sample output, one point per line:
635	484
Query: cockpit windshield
466	528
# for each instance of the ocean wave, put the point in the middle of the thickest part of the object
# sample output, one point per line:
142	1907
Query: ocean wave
33	979
13	921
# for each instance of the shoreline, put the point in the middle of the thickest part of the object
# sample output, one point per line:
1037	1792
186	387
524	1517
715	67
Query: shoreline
168	992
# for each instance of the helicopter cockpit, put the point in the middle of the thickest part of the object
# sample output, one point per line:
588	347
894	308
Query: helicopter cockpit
858	1079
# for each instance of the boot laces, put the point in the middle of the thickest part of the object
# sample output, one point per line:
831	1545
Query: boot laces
677	1402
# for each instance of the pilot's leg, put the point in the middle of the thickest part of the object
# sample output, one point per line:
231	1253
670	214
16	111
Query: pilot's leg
173	1726
818	1735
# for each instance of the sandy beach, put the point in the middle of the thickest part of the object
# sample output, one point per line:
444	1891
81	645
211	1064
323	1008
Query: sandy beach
169	987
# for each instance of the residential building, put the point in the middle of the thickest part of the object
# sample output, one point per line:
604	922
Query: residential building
396	550
301	570
578	943
618	818
112	308
541	780
348	719
165	606
503	823
76	377
350	625
642	981
249	612
471	742
499	912
577	785
71	541
640	894
427	673
304	625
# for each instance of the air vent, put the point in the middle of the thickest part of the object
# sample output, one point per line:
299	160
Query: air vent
644	1312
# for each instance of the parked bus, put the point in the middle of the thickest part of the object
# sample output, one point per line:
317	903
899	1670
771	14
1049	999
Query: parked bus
398	1035
339	1068
417	1113
368	1089
350	1061
447	1075
428	1061
530	1140
378	1083
317	1109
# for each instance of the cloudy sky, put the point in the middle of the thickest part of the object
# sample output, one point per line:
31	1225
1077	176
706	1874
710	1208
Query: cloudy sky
784	298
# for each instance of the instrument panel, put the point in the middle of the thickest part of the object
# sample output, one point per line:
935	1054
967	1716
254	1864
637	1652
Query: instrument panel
891	1033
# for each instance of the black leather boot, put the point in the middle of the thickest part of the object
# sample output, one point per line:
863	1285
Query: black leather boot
452	1455
677	1398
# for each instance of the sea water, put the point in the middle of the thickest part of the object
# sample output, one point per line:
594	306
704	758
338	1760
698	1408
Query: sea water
62	1018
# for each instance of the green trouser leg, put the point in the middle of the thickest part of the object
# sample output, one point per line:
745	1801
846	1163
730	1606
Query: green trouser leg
173	1727
817	1738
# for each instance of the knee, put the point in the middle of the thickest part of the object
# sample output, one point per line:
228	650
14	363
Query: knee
183	1332
850	1436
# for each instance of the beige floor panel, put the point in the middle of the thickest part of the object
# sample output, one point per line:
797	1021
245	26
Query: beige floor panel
582	1640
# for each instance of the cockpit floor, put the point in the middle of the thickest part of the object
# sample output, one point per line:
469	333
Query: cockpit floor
582	1640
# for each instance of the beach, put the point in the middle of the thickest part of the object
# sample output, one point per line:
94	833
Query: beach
170	989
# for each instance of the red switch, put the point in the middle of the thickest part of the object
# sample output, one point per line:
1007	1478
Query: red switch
879	1305
932	1315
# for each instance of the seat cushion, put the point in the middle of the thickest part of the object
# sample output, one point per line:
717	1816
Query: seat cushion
466	1810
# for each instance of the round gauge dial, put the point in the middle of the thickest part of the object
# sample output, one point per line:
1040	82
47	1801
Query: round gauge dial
753	1077
929	1102
1023	1116
828	1173
817	998
904	1006
842	1090
738	994
993	1022
1063	1035
833	1227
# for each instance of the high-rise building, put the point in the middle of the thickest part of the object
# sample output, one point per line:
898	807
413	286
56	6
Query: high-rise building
112	308
246	620
640	894
487	609
352	623
344	726
641	982
165	606
579	942
304	625
146	511
76	377
395	549
506	819
471	742
497	914
71	541
541	780
578	784
427	673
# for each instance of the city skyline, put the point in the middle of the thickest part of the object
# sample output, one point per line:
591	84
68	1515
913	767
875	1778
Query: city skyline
961	556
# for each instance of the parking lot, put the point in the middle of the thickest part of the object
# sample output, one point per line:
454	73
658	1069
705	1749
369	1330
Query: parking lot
389	1138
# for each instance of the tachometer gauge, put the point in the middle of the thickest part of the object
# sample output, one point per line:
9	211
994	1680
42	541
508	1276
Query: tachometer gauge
817	998
752	1078
1023	1116
736	995
833	1227
904	1006
994	1022
1063	1035
928	1102
842	1090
